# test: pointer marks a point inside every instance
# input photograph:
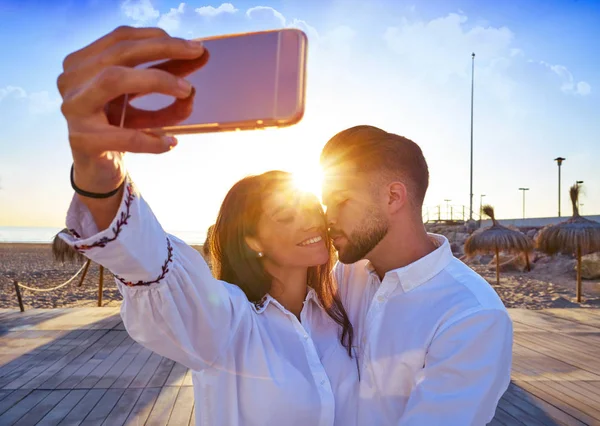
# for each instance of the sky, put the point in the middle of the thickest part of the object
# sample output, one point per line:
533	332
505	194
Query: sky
404	66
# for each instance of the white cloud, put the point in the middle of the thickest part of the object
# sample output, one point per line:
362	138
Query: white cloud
258	11
141	11
442	46
37	102
210	11
568	85
171	20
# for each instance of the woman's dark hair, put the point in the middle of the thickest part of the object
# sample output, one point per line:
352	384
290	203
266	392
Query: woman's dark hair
233	261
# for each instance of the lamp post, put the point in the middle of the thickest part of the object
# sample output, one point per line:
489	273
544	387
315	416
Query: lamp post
447	209
523	189
559	161
472	92
578	182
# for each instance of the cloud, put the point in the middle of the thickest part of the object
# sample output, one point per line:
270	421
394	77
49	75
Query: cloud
171	20
568	85
37	102
141	11
210	11
268	11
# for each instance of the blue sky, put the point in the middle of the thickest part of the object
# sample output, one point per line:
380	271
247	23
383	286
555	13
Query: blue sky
403	66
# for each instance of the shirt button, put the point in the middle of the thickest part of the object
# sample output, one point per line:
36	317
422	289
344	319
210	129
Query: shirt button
323	382
305	337
381	298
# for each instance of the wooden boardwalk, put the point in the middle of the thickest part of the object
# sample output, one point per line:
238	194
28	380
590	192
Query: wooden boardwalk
79	366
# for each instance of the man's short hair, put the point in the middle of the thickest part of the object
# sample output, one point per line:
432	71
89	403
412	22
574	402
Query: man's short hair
376	152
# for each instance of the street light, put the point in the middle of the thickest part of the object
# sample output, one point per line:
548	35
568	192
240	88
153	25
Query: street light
472	92
447	209
559	161
523	189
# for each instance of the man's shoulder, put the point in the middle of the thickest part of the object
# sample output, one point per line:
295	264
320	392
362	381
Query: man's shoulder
467	284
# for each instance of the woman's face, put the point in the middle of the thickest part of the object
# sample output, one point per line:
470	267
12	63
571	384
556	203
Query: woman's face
292	229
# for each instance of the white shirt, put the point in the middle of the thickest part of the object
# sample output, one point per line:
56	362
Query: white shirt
435	342
253	364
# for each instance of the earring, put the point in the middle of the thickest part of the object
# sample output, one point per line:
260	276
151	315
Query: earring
260	254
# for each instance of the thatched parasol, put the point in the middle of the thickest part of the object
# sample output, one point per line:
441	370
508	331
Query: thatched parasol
577	236
497	238
63	252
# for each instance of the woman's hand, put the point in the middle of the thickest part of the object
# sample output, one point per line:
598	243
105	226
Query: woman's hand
93	86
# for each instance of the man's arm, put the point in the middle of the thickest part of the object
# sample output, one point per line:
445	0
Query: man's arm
467	370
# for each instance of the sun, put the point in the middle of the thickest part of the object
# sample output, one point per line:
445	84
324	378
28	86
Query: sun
309	180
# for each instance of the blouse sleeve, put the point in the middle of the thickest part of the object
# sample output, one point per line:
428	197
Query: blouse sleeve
171	302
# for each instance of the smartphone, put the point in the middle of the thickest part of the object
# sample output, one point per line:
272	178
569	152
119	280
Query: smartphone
242	82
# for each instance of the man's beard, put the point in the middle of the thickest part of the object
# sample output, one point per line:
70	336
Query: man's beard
364	239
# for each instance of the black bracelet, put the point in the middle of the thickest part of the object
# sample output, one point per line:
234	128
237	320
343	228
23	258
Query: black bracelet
93	194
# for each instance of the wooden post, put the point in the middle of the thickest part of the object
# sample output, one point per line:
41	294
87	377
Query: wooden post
18	290
100	286
578	274
87	265
497	266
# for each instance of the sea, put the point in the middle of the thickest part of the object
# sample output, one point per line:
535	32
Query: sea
18	234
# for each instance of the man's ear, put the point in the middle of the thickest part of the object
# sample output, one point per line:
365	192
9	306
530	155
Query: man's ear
254	244
397	196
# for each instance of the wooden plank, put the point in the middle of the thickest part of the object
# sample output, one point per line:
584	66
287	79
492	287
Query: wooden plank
12	399
94	361
538	407
159	416
583	316
549	323
177	375
13	414
143	407
162	373
132	369
142	379
506	419
63	408
519	414
193	418
187	380
4	393
106	365
67	362
122	409
182	410
45	363
83	407
54	375
111	376
564	402
35	414
103	408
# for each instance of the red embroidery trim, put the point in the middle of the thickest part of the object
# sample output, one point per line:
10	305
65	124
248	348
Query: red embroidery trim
122	221
165	269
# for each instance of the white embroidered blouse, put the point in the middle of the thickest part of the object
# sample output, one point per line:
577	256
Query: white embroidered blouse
253	364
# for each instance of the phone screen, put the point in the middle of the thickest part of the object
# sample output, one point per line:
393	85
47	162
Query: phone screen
248	80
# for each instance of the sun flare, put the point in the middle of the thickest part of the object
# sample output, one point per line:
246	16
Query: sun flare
309	180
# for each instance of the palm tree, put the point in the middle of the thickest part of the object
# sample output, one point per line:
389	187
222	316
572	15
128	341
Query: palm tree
576	235
497	238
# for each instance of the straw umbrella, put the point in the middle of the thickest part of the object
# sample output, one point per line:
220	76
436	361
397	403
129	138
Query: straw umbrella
497	238
63	252
576	235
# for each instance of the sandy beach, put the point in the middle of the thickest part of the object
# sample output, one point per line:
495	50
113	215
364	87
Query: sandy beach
551	283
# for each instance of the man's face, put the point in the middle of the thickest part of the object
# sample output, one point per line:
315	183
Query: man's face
355	215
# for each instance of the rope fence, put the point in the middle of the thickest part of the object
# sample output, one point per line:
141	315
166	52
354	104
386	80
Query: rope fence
83	268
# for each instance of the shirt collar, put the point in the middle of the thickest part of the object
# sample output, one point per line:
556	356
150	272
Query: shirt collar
423	269
261	305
